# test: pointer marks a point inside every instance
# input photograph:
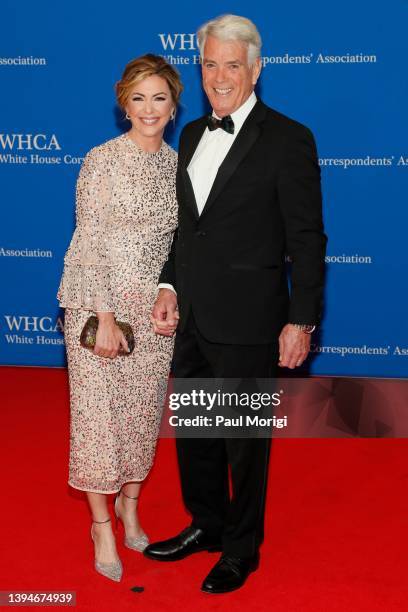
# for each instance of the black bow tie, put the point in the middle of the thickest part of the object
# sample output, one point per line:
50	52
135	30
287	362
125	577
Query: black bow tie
226	123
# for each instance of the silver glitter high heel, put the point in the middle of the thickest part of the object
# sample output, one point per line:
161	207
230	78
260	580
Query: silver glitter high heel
139	543
114	570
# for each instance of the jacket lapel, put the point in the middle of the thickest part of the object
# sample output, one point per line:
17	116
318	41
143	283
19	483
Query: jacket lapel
190	148
243	143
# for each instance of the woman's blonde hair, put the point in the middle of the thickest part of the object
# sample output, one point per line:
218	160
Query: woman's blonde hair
143	67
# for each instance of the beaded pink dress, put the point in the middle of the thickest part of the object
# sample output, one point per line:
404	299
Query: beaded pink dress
126	214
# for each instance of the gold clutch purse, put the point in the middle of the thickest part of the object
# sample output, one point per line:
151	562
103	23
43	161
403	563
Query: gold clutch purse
88	334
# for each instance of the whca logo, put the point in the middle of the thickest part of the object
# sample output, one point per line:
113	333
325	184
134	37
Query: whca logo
29	142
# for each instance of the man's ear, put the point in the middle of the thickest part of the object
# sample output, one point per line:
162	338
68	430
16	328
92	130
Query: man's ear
256	70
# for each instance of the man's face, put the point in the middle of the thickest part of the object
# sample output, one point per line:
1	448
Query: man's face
228	81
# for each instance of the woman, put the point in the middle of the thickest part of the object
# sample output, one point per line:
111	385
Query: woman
126	217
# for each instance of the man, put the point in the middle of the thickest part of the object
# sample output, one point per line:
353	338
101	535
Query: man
248	186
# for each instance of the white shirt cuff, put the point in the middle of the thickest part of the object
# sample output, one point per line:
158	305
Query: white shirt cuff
166	286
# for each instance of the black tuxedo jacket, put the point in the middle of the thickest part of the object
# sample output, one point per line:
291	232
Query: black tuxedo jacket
228	264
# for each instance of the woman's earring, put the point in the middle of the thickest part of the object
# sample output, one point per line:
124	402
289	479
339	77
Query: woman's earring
127	116
173	114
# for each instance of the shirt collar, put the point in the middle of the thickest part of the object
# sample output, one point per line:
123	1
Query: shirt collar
242	112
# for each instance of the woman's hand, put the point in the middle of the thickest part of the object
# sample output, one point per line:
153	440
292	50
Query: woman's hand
165	314
109	337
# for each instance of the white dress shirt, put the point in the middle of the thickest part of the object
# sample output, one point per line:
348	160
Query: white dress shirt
209	155
211	152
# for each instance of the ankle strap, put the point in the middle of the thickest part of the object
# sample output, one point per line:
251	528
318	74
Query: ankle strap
128	496
101	522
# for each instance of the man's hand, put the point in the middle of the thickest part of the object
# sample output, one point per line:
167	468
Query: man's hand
165	315
294	346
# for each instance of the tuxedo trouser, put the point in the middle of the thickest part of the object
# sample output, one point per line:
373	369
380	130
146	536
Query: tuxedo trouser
238	522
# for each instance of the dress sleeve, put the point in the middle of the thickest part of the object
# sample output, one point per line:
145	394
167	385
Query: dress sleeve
85	281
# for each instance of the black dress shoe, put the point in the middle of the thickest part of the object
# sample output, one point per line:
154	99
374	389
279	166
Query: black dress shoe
229	574
189	541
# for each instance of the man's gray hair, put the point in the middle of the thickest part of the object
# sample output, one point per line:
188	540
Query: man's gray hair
232	27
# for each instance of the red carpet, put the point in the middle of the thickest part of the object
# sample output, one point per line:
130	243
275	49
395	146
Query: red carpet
336	529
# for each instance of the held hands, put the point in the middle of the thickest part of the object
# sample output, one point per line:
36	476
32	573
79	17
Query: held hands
294	346
109	337
165	315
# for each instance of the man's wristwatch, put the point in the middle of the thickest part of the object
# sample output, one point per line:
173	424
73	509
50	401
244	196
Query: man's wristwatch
307	329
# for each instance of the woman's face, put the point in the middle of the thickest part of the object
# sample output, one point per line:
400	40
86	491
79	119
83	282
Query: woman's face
150	106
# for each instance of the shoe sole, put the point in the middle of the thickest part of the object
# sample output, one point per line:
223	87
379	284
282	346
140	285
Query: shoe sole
209	549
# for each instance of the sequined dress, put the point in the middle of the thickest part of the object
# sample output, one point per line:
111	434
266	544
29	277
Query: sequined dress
126	214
